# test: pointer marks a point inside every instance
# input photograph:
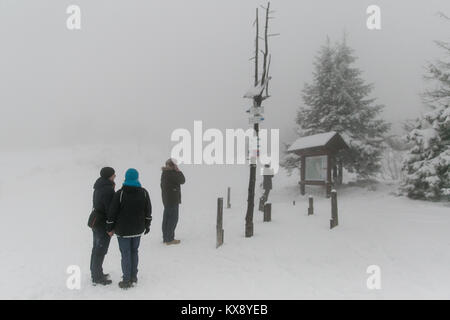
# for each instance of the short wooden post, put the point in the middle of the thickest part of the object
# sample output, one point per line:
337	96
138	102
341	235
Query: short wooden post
311	206
228	198
267	212
219	226
334	210
293	202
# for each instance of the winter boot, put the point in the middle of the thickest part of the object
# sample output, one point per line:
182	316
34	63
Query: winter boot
174	241
103	281
125	284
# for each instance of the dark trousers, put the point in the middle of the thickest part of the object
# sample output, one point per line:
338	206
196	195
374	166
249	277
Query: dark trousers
99	250
129	248
170	220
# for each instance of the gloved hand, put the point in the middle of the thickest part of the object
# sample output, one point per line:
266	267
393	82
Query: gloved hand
147	230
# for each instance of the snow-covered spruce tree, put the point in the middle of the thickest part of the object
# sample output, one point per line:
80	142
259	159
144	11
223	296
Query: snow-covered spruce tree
338	100
290	161
427	164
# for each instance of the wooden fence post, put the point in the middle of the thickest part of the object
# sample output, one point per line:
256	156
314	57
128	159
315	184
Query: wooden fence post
311	206
334	210
267	212
228	198
219	226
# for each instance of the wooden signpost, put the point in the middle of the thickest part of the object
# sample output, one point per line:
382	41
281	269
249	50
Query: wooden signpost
334	210
311	206
267	212
258	93
219	226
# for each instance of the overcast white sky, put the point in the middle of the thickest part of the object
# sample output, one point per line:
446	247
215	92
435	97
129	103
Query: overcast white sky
140	69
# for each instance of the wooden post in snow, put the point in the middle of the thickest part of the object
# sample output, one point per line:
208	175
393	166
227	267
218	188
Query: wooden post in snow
228	198
311	206
219	226
267	212
334	210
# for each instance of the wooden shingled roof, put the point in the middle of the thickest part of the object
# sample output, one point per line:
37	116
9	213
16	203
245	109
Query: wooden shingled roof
327	141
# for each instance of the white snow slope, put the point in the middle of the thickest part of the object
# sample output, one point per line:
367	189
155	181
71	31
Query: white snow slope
45	200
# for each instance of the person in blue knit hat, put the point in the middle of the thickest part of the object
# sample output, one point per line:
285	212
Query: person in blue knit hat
132	178
129	217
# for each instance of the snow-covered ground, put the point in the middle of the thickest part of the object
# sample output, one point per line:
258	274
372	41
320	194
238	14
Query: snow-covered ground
45	199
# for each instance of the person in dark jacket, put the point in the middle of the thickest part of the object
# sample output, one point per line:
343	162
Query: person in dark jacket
129	216
102	197
171	179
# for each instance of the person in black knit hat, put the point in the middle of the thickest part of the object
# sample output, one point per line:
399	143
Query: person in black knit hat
107	172
102	197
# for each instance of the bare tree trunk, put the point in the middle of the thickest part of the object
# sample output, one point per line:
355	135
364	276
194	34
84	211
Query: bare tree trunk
250	201
252	178
266	44
257	100
256	47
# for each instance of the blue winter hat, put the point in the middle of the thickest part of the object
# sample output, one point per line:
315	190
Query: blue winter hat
132	178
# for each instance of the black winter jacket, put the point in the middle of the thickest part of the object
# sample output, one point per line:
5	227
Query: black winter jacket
170	187
101	199
130	212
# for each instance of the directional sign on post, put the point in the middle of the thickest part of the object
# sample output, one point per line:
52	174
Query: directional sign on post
255	119
255	110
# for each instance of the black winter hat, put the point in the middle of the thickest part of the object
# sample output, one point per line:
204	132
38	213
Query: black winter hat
107	172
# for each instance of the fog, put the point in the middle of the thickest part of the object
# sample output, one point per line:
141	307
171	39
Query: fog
137	70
